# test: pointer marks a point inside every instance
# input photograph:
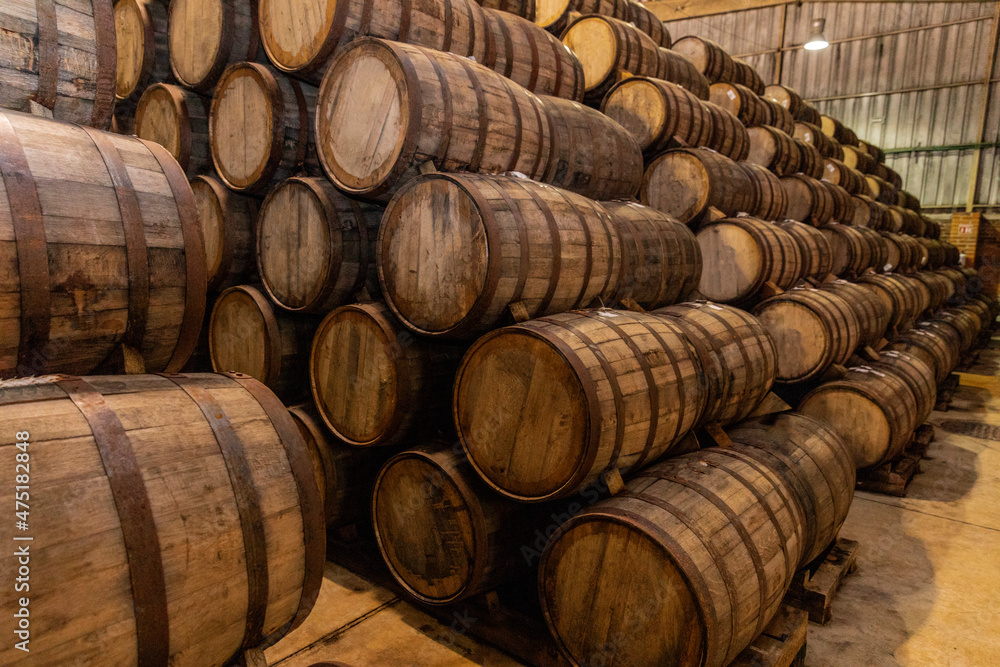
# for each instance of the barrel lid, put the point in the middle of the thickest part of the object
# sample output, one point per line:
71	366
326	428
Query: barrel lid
639	105
677	183
593	40
243	335
161	116
855	415
295	35
801	338
195	29
548	12
134	29
728	244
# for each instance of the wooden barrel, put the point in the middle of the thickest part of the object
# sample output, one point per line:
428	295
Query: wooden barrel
786	97
839	173
900	297
555	365
937	286
907	200
808	200
556	15
649	23
299	38
982	312
843	205
177	119
532	57
248	336
873	411
260	130
591	155
871	149
373	382
728	135
686	182
868	213
879	248
102	248
523	8
141	37
852	254
741	102
316	246
708	58
957	279
680	70
345	475
661	260
748	76
932	230
773	149
881	190
898	257
137	596
770	200
814	248
814	460
966	323
394	93
918	376
872	312
64	61
952	254
856	159
207	36
658	114
227	221
938	348
718	530
973	282
736	352
778	116
810	160
834	129
814	136
443	533
893	178
443	236
812	329
808	114
606	47
743	255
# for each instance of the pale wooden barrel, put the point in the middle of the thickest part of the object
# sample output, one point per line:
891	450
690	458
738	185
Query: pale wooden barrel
873	313
812	329
684	567
686	182
260	129
852	254
606	47
315	247
374	382
572	434
649	23
743	255
207	36
300	38
810	160
63	60
814	136
784	96
817	255
773	149
869	213
556	15
834	129
881	190
532	57
708	58
455	250
728	136
177	119
918	376
227	221
840	174
345	475
591	155
102	246
681	71
247	335
873	411
770	199
808	200
741	102
177	485
661	260
854	157
443	533
393	92
871	149
736	352
141	37
899	295
936	349
658	114
814	460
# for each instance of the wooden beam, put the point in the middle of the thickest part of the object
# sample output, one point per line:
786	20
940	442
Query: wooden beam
675	10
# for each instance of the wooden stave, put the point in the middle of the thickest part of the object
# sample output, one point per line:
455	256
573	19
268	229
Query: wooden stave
810	160
869	213
599	448
836	130
916	374
728	186
773	149
936	286
958	280
718	66
872	314
686	120
879	248
239	425
679	70
808	114
843	205
851	251
903	301
239	41
808	199
931	347
778	116
813	135
740	101
234	263
838	173
871	149
728	137
523	8
771	201
749	77
649	23
154	56
191	113
784	96
965	322
817	255
854	157
559	24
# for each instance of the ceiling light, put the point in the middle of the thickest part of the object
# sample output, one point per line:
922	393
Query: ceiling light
816	39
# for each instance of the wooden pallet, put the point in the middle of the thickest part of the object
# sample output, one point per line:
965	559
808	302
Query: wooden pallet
922	439
781	644
891	478
814	586
946	391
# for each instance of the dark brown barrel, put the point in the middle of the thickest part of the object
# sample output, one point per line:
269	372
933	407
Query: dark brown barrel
957	279
907	200
932	230
873	314
937	286
784	96
374	382
686	182
737	355
965	322
814	136
869	213
952	254
227	221
591	155
716	528
443	533
871	149
893	178
852	254
936	255
843	205
649	23
834	129
680	70
455	250
778	116
661	260
773	149
748	76
523	8
770	199
741	102
879	248
743	255
873	410
817	255
810	160
708	58
658	114
900	296
815	462
207	36
177	119
808	114
729	136
881	190
855	158
556	15
850	179
316	246
809	200
812	330
937	347
514	380
918	376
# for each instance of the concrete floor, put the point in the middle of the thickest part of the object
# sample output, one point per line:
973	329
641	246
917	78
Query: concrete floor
926	591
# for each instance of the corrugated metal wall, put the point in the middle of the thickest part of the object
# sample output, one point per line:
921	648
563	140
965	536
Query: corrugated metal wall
882	76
